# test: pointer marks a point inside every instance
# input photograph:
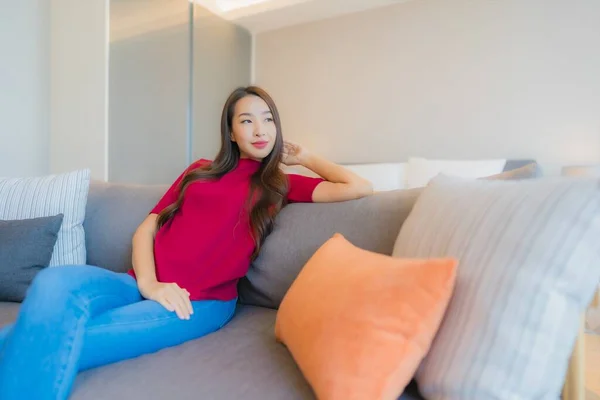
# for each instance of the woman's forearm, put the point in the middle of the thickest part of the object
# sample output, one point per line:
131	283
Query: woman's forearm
143	251
333	172
342	184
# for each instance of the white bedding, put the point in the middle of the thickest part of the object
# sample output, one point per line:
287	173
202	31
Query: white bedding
416	172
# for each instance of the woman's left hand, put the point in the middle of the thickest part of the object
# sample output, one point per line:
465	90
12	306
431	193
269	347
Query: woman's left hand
293	154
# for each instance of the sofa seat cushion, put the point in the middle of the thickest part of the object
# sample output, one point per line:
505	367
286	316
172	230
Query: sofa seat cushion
241	361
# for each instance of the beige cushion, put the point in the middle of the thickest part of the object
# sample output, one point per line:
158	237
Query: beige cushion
528	265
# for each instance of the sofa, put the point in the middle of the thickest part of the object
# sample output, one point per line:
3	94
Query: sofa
243	359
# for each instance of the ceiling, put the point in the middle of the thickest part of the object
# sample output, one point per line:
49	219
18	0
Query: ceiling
129	18
264	15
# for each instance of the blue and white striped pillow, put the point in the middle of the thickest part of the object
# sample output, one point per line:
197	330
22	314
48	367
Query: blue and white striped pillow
529	263
33	197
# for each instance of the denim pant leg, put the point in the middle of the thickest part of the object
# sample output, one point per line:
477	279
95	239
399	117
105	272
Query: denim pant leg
146	327
39	357
4	331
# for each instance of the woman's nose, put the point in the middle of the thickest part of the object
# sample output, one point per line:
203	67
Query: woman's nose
258	131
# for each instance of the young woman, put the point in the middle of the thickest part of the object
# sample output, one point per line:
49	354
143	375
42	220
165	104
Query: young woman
188	255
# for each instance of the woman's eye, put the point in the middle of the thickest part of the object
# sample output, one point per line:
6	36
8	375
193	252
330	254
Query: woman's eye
269	119
245	120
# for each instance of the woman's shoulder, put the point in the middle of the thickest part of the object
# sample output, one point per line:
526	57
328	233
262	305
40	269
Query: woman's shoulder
201	162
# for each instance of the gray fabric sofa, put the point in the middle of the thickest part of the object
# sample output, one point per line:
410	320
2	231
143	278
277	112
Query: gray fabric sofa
242	360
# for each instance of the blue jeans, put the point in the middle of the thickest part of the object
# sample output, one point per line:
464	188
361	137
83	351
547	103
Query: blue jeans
79	317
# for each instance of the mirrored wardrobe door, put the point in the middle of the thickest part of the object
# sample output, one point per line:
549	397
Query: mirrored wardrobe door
149	90
222	53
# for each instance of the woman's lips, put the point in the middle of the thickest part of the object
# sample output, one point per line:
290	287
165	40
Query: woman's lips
260	145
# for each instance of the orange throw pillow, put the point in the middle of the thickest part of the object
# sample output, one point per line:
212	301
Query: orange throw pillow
358	323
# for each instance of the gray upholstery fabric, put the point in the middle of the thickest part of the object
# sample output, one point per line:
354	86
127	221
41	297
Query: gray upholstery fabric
371	223
8	312
26	247
113	213
241	361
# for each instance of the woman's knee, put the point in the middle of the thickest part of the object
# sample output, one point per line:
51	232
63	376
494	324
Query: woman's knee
55	282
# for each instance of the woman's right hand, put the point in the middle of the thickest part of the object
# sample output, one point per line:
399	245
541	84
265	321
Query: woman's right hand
170	296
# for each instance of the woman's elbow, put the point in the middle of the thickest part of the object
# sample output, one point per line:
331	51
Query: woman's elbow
335	192
362	188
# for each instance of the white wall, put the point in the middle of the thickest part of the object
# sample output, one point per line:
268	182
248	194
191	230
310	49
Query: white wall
24	87
438	78
79	73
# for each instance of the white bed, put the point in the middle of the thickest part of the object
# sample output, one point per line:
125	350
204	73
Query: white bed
417	171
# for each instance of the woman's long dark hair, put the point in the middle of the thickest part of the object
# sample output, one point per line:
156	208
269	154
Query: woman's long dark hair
269	182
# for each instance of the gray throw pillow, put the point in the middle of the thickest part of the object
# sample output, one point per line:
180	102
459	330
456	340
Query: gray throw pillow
45	196
26	247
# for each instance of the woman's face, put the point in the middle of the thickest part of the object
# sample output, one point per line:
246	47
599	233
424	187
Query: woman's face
253	128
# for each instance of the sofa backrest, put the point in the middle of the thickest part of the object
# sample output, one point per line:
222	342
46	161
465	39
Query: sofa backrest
113	213
371	223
